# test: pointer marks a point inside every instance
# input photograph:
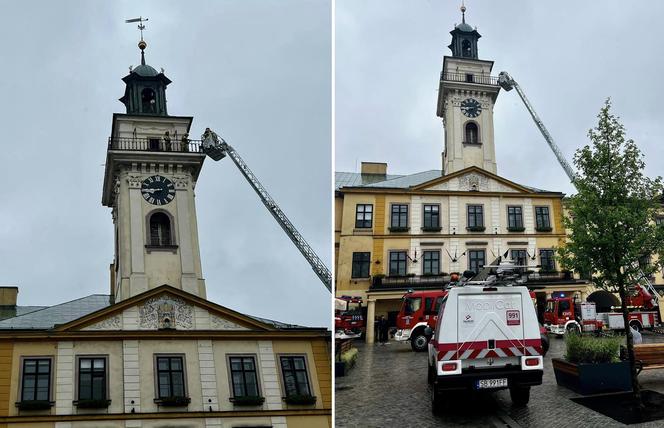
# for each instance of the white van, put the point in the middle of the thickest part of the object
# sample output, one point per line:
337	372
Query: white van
487	338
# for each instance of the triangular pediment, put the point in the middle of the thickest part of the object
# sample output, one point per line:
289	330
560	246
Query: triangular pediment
165	308
473	179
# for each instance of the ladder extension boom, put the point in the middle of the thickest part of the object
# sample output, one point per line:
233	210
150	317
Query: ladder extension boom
507	82
215	147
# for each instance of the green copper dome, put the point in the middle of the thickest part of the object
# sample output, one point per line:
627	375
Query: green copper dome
145	71
464	27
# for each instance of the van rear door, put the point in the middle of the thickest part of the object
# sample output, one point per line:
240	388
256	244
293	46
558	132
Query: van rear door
490	324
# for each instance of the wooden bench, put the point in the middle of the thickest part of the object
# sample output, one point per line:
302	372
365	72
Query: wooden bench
648	356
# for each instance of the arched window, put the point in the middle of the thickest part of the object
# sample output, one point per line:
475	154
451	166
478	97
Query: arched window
466	49
148	101
472	133
160	230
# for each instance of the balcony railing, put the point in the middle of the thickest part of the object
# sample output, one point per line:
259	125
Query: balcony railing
470	78
421	282
155	145
551	276
429	282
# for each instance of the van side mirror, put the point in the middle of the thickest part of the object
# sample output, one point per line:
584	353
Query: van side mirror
428	332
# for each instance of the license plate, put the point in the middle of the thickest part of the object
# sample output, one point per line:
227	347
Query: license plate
491	383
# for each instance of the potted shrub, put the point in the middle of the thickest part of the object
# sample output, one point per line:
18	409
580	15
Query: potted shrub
592	365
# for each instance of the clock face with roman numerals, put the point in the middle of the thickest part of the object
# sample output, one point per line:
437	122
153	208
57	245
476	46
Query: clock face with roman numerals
158	190
471	107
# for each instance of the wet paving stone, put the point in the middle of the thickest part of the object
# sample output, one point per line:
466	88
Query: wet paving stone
388	388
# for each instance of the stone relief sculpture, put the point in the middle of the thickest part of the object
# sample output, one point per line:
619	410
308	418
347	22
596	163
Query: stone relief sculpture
111	323
473	182
218	323
166	312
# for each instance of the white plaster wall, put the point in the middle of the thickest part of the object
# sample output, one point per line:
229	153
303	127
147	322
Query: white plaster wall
64	375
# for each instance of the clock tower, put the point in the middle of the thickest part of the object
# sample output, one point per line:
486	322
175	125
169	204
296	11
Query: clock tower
151	171
466	97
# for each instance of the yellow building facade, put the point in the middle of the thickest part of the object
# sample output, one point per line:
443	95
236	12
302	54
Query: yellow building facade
395	233
154	352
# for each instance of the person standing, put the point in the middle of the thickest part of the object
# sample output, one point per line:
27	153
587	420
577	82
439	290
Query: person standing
382	330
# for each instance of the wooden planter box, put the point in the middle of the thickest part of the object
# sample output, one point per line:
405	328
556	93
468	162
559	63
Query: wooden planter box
587	379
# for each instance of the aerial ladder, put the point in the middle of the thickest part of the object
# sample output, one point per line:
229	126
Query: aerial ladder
508	83
216	148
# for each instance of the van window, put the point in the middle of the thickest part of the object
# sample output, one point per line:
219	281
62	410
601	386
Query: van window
412	305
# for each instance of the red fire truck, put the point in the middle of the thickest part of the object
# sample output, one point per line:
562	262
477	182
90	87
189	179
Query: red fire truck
565	314
418	310
348	316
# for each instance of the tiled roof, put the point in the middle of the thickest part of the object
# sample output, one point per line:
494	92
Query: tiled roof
14	311
51	316
354	179
48	317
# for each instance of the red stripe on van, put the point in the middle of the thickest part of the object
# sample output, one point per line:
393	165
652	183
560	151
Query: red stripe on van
477	347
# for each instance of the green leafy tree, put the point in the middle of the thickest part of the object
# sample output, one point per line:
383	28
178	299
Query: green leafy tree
612	216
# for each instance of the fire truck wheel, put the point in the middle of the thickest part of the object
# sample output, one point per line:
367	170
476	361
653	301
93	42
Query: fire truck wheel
636	325
573	329
520	395
419	341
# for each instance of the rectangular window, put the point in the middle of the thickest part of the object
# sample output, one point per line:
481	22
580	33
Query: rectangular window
542	219
92	378
476	260
398	263
469	78
36	380
244	377
547	260
430	262
520	257
294	371
170	377
363	216
361	263
432	217
476	217
399	218
515	218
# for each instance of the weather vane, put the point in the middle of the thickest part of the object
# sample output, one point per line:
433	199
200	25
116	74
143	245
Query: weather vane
140	21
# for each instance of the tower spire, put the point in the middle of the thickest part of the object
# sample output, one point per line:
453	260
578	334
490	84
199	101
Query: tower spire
463	12
141	45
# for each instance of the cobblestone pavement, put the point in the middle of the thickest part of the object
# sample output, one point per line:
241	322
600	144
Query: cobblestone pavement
388	388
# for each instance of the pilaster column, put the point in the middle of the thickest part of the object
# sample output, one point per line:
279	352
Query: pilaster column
371	314
189	278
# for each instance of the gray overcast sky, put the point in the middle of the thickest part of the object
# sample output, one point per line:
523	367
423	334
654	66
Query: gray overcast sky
568	56
256	71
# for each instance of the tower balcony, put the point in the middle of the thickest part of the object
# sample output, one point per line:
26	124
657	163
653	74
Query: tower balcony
154	145
480	79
